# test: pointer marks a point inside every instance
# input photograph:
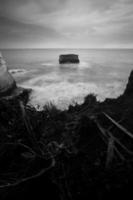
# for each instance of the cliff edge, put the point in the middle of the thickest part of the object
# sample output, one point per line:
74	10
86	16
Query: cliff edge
7	82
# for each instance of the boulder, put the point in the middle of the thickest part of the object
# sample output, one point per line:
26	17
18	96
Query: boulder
68	58
7	82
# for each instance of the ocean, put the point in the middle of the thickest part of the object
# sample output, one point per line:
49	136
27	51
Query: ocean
101	72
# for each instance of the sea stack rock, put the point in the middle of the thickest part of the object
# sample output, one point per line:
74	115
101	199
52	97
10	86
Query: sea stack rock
7	83
68	58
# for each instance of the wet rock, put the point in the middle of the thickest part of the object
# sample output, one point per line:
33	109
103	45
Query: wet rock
68	58
7	83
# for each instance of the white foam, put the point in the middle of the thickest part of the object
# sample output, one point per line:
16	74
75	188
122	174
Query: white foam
63	92
81	65
48	64
84	65
18	71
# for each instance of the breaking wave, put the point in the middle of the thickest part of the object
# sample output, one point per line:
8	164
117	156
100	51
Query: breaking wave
62	93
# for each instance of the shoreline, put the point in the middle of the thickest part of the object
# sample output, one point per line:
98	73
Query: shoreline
49	143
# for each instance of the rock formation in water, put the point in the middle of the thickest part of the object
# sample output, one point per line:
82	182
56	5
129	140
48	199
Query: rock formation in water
7	83
68	58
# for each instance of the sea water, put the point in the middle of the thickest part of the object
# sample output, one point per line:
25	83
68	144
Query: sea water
103	72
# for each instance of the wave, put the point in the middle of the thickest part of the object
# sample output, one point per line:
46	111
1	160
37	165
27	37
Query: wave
63	93
81	65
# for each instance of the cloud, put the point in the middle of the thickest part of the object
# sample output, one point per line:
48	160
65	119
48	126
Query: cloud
29	10
78	22
16	34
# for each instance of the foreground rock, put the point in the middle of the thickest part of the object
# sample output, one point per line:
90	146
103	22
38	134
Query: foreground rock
68	58
8	86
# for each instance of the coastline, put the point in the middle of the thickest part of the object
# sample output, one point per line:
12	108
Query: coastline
52	142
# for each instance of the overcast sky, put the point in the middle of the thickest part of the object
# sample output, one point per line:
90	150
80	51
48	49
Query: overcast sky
66	23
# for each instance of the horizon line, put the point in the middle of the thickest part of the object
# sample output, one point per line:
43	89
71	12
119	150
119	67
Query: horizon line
97	48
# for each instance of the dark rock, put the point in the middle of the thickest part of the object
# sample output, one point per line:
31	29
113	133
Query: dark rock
129	87
68	58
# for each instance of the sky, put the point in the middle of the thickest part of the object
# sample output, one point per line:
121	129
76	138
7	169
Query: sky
66	23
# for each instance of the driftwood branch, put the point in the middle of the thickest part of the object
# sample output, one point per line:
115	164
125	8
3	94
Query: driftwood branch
110	152
7	185
120	127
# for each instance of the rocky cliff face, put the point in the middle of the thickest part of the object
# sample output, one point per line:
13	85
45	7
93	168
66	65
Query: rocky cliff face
129	87
7	83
